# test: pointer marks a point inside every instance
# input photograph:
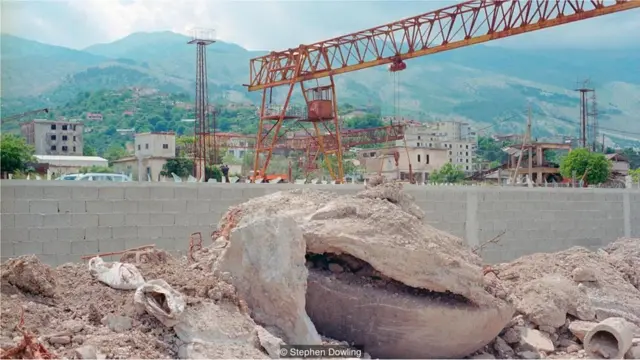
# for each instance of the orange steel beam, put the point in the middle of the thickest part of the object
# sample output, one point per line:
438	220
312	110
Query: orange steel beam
468	23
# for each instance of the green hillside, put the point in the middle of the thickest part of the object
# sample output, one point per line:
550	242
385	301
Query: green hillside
480	84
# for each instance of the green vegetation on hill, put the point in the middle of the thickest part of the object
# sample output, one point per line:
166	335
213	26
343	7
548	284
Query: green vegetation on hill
479	84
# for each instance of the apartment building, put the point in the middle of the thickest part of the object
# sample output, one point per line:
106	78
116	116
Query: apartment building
54	137
455	137
393	163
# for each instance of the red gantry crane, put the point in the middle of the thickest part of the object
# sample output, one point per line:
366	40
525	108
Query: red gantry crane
468	23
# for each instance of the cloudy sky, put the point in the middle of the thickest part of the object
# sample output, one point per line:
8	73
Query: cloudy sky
267	25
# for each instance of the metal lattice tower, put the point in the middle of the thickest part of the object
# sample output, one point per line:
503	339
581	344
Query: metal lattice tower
202	157
585	113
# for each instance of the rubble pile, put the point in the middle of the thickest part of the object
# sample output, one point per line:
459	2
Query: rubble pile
311	267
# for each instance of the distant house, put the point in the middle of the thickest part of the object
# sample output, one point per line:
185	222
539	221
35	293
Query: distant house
619	164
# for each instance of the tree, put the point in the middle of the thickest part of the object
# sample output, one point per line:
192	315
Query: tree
14	154
88	150
447	174
212	172
96	169
115	152
635	175
580	160
180	166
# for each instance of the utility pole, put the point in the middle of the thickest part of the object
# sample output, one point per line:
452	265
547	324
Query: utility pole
603	147
584	112
529	144
525	139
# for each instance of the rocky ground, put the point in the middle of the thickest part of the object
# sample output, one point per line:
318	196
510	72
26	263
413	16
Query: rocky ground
292	267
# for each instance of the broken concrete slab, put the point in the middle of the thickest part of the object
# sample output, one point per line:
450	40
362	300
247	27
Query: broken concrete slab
266	260
533	340
117	323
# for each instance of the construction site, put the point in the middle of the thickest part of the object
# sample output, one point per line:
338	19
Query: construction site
193	271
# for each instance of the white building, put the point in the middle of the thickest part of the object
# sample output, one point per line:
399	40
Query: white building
152	150
67	164
454	136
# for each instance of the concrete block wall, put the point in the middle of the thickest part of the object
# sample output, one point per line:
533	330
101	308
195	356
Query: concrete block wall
61	221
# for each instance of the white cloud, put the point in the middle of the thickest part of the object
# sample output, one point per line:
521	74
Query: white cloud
264	24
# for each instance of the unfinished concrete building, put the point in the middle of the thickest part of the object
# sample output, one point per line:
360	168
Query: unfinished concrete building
533	162
54	137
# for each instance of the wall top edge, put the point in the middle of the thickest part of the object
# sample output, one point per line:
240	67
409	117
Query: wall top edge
352	187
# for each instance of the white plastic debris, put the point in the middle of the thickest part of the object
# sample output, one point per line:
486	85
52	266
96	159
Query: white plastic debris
160	300
117	275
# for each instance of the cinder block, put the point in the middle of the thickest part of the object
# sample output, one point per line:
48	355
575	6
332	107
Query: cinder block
20	206
136	242
207	193
51	260
99	206
161	193
198	206
71	234
97	233
174	206
84	193
72	206
56	192
137	219
111	245
57	220
7	191
43	235
149	232
27	248
149	206
136	193
84	247
110	220
28	192
84	220
125	207
65	259
7	221
6	248
14	235
209	219
124	232
231	193
179	232
111	193
186	193
169	243
162	219
187	219
57	248
43	206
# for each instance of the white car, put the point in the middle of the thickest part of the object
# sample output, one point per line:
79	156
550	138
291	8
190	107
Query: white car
103	177
69	177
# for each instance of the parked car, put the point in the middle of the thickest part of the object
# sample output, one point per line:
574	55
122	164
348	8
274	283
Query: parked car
68	177
103	177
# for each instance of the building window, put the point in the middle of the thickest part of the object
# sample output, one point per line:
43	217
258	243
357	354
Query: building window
165	146
418	144
74	128
74	149
466	160
450	152
64	137
418	137
53	126
53	148
418	157
427	159
467	146
138	146
65	149
466	167
466	153
64	127
146	146
74	138
53	137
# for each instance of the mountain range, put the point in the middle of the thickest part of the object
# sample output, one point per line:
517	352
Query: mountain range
489	86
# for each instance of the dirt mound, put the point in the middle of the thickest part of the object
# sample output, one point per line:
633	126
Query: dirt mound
28	274
591	281
625	256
